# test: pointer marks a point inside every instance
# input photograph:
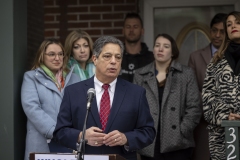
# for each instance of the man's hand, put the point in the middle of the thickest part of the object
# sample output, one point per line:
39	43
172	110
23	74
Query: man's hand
94	136
115	138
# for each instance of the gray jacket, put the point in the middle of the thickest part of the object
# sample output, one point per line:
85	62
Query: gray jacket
41	102
180	109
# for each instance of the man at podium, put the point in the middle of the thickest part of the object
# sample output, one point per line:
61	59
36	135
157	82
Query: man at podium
119	121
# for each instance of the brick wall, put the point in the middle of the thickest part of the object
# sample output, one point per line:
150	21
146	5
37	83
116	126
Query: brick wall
97	17
35	28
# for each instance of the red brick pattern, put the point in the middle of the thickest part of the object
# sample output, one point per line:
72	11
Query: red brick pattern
35	29
97	17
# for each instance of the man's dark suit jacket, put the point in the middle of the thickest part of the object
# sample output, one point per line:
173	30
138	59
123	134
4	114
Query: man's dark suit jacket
129	114
198	61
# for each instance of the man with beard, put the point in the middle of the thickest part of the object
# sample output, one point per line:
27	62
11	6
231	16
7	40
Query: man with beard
198	62
136	54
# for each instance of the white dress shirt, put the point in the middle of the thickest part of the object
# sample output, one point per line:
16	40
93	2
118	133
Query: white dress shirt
213	49
99	91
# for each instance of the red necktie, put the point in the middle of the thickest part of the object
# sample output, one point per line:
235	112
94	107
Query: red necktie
104	106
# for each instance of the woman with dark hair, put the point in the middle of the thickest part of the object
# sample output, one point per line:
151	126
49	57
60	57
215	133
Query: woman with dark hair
174	100
221	86
41	95
78	47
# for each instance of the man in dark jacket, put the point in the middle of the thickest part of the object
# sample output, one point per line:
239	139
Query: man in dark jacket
136	54
119	121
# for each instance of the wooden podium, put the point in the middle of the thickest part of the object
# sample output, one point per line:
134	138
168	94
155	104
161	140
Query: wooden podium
62	156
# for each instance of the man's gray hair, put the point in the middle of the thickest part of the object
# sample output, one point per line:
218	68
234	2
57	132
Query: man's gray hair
102	41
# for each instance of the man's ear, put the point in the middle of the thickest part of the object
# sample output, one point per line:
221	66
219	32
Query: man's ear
94	59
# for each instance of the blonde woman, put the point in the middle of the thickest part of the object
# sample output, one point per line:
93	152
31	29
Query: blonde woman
78	46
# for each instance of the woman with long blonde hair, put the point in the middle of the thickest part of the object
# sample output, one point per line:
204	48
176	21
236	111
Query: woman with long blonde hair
78	47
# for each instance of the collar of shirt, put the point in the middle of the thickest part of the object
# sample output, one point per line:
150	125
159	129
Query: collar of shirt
99	91
213	49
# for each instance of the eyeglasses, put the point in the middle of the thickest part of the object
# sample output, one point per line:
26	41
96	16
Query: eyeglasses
107	57
53	55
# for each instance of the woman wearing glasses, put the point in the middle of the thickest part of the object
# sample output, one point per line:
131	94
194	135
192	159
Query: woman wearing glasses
78	46
41	95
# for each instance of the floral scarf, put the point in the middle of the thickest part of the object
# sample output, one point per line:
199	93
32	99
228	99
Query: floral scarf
58	79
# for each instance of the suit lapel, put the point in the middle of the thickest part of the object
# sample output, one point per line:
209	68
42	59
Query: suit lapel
94	109
167	88
119	94
149	78
207	54
152	83
175	66
171	79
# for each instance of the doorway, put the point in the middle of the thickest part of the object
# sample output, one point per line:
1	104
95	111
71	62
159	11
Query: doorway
188	22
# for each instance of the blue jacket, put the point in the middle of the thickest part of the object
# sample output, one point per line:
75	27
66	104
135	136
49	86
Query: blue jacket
41	102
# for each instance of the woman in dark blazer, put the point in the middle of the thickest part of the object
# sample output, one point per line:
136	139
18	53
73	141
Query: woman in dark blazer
174	101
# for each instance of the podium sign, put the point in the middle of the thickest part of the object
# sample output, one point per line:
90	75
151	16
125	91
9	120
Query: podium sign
62	156
231	139
69	157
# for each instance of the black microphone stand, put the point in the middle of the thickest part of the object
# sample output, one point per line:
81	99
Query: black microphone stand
83	141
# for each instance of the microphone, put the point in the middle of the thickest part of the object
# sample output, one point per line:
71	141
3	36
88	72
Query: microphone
81	147
91	93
